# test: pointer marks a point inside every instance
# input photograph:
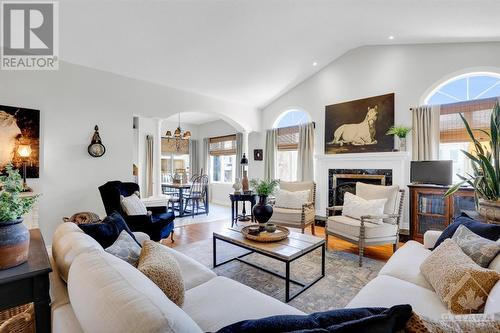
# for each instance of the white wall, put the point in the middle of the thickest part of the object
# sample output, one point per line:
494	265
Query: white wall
409	71
73	100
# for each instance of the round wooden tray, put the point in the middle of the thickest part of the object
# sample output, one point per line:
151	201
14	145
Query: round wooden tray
266	237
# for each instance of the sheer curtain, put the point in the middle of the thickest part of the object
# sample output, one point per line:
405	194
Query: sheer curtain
205	162
149	166
425	133
270	154
193	157
239	155
305	160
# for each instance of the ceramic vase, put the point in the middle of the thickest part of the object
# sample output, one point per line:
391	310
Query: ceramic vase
237	186
262	212
14	243
244	181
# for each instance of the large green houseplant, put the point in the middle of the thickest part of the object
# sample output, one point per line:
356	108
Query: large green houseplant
485	178
14	236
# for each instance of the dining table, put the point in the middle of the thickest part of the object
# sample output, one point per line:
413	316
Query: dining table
181	188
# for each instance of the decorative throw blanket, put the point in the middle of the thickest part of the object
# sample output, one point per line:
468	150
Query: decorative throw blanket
372	320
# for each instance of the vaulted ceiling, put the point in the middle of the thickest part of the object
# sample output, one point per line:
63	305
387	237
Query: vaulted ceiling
250	52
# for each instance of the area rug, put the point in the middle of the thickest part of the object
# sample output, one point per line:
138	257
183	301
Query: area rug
343	279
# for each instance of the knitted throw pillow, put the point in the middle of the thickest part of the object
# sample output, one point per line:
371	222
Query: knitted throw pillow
161	267
461	284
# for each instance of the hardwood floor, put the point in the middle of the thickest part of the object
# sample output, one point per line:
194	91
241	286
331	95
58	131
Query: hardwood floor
197	232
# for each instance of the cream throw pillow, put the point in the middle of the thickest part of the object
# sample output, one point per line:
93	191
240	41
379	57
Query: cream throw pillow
294	200
355	207
161	267
461	284
133	205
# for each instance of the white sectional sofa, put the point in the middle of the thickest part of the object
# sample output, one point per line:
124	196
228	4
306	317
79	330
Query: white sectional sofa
105	294
400	282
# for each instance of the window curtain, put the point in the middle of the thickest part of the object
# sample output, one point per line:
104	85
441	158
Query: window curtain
149	165
425	133
205	162
270	154
305	160
239	155
193	157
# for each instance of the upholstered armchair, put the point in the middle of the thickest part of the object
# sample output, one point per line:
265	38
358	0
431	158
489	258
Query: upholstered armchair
365	231
158	224
296	217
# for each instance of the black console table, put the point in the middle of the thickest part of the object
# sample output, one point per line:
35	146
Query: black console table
29	282
243	197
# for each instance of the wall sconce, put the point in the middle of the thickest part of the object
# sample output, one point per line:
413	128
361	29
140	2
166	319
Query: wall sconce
96	148
24	151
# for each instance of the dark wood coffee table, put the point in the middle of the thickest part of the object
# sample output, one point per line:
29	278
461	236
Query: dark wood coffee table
288	250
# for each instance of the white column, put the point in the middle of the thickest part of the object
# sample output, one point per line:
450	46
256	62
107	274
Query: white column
157	158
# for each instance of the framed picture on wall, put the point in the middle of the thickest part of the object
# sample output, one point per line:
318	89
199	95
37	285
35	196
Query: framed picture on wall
359	126
20	127
258	155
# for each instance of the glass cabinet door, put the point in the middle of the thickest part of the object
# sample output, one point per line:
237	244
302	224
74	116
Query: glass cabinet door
432	211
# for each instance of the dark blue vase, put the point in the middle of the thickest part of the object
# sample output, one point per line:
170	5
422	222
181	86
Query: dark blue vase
262	211
14	243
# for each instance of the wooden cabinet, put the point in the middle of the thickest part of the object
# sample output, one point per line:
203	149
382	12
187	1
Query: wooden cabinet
430	210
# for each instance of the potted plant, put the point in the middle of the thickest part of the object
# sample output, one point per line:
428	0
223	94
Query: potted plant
14	236
485	178
262	210
401	132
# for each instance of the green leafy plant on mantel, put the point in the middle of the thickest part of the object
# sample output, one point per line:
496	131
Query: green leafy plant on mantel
399	131
485	178
264	187
12	204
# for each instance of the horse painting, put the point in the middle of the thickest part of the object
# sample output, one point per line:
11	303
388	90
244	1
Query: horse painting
359	126
19	126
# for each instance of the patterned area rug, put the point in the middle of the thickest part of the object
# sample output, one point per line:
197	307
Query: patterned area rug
341	283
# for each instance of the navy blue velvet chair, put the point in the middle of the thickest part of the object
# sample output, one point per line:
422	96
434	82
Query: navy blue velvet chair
158	225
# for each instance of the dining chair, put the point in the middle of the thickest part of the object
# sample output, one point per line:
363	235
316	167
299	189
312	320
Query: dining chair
197	194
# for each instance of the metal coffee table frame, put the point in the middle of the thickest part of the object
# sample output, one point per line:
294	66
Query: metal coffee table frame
286	277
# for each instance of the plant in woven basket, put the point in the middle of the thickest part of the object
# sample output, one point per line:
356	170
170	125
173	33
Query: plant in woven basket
485	176
12	205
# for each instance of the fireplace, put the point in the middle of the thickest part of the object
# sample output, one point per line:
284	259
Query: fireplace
344	180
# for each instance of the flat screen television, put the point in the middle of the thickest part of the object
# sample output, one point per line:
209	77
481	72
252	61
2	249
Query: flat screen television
432	172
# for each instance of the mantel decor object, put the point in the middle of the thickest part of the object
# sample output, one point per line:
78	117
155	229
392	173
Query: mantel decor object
96	148
401	132
14	236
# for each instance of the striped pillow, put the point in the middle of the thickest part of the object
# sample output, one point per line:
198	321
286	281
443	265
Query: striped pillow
133	205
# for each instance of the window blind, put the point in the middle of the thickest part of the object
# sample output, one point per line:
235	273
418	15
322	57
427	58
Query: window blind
477	113
288	138
223	145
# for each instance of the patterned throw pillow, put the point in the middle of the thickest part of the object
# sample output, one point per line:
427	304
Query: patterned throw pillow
125	248
133	205
461	284
161	267
472	323
480	249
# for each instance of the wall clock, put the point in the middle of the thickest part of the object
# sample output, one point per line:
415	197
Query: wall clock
96	148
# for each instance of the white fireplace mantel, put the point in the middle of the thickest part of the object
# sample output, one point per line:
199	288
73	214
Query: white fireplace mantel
398	162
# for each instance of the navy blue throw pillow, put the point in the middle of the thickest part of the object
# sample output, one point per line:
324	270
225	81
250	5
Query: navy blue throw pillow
358	320
106	232
489	231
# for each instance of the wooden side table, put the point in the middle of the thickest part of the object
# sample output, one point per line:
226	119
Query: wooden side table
243	197
29	282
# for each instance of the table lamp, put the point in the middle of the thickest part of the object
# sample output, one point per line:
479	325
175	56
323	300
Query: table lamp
244	165
24	151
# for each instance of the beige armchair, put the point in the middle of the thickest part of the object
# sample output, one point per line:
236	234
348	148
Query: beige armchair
365	231
297	218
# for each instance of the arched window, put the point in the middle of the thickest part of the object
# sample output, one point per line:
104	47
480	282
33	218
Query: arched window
292	117
466	87
472	95
288	142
